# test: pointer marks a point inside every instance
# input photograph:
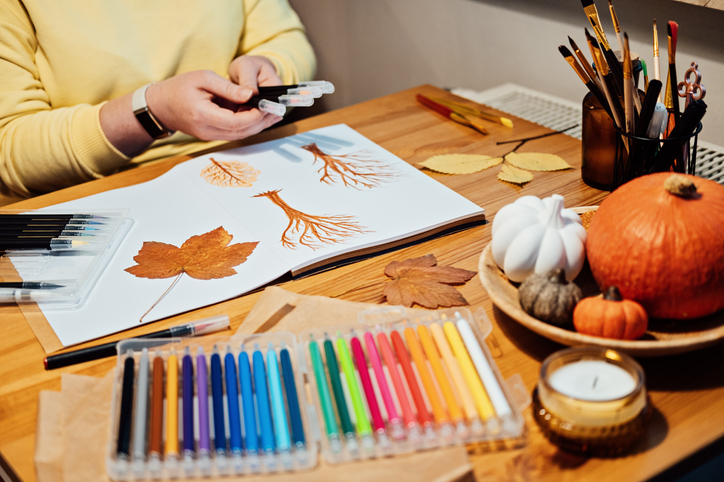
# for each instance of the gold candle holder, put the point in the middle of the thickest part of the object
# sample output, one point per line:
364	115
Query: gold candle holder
591	401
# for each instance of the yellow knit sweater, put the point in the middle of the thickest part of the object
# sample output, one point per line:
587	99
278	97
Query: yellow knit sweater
60	61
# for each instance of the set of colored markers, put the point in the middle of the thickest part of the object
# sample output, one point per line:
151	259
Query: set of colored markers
206	411
56	255
405	387
208	407
274	99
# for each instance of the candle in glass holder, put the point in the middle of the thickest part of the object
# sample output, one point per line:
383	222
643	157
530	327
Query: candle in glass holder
591	400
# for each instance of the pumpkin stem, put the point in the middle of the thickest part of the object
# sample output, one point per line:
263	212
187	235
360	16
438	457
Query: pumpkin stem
558	276
552	217
681	186
612	294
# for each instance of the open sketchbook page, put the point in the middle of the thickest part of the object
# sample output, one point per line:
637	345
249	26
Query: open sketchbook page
304	199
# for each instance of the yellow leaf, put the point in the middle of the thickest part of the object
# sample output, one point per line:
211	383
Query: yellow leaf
460	163
536	161
514	175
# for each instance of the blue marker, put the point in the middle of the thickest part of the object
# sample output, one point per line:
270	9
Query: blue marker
188	408
217	399
232	399
262	404
281	429
247	399
295	416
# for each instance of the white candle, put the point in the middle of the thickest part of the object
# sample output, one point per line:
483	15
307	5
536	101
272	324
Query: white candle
592	380
591	387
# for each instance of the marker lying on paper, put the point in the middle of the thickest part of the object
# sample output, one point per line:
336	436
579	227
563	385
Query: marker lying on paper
195	328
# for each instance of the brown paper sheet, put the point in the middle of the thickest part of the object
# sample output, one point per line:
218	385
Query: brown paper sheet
71	441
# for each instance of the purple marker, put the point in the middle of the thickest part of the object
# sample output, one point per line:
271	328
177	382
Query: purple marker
202	392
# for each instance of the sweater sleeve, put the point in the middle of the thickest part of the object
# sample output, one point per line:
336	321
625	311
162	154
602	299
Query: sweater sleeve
272	29
42	148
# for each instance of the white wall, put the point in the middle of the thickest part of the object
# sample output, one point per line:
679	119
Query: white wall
370	48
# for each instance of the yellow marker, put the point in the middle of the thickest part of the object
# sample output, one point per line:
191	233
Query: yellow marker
482	402
445	384
457	375
172	407
438	410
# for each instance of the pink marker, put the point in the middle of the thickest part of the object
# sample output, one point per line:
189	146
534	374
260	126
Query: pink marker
407	414
364	375
395	421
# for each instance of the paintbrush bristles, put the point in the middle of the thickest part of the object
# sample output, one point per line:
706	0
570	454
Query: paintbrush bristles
673	30
572	61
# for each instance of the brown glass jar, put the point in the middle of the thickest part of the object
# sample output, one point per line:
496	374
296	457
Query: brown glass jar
598	138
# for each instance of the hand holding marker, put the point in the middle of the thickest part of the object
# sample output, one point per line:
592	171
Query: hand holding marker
274	99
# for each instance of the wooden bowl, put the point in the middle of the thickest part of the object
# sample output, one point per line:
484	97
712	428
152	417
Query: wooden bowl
664	337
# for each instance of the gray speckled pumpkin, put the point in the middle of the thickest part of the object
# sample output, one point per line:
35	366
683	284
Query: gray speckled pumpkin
549	297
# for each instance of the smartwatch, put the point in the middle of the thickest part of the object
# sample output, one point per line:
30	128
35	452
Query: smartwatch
140	109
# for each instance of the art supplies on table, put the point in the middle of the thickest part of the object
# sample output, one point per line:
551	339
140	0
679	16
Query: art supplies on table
632	140
276	98
56	256
351	392
292	205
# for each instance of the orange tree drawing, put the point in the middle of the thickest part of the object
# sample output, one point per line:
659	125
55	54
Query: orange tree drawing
312	230
229	173
358	169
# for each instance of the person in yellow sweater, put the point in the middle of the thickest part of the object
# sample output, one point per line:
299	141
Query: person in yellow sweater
69	72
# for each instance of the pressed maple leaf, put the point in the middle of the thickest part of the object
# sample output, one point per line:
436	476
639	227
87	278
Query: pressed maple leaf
204	257
421	281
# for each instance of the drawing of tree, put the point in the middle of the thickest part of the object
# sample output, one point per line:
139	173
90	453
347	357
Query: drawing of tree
229	173
357	170
312	230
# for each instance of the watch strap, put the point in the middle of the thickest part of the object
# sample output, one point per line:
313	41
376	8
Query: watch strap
144	116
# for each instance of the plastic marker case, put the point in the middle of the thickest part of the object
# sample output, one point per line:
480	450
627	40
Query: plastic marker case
83	244
387	385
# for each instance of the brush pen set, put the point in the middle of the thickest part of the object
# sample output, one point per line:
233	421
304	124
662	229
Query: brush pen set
275	99
636	133
269	403
56	256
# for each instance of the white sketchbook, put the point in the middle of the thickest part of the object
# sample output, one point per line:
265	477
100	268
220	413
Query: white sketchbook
309	200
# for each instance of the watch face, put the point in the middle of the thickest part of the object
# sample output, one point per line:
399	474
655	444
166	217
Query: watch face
144	116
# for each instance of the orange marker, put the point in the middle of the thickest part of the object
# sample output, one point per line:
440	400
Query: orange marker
438	410
422	413
172	452
445	384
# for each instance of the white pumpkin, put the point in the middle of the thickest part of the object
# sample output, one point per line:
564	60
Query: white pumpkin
532	235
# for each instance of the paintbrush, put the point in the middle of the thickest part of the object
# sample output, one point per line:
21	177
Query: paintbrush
616	25
600	96
606	81
586	65
469	121
617	74
628	90
673	34
657	65
470	111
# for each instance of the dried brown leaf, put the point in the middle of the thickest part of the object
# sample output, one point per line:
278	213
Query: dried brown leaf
206	256
421	281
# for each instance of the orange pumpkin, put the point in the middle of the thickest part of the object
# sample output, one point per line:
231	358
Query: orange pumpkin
610	316
660	239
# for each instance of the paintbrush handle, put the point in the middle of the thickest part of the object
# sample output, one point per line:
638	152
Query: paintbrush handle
647	107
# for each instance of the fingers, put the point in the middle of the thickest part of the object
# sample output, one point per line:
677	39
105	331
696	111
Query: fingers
216	133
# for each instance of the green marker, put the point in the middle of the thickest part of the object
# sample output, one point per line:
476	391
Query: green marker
324	398
363	423
347	427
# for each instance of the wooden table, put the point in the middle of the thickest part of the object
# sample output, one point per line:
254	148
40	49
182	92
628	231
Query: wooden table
687	391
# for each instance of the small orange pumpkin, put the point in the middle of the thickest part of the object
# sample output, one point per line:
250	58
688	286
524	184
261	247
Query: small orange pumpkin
659	239
610	316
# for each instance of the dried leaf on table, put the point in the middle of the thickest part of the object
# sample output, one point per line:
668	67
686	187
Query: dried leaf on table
537	161
514	175
460	163
421	281
203	257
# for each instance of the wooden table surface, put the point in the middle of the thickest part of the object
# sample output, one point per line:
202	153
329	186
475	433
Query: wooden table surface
687	391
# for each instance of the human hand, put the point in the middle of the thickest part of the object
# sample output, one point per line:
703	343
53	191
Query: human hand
251	71
205	105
